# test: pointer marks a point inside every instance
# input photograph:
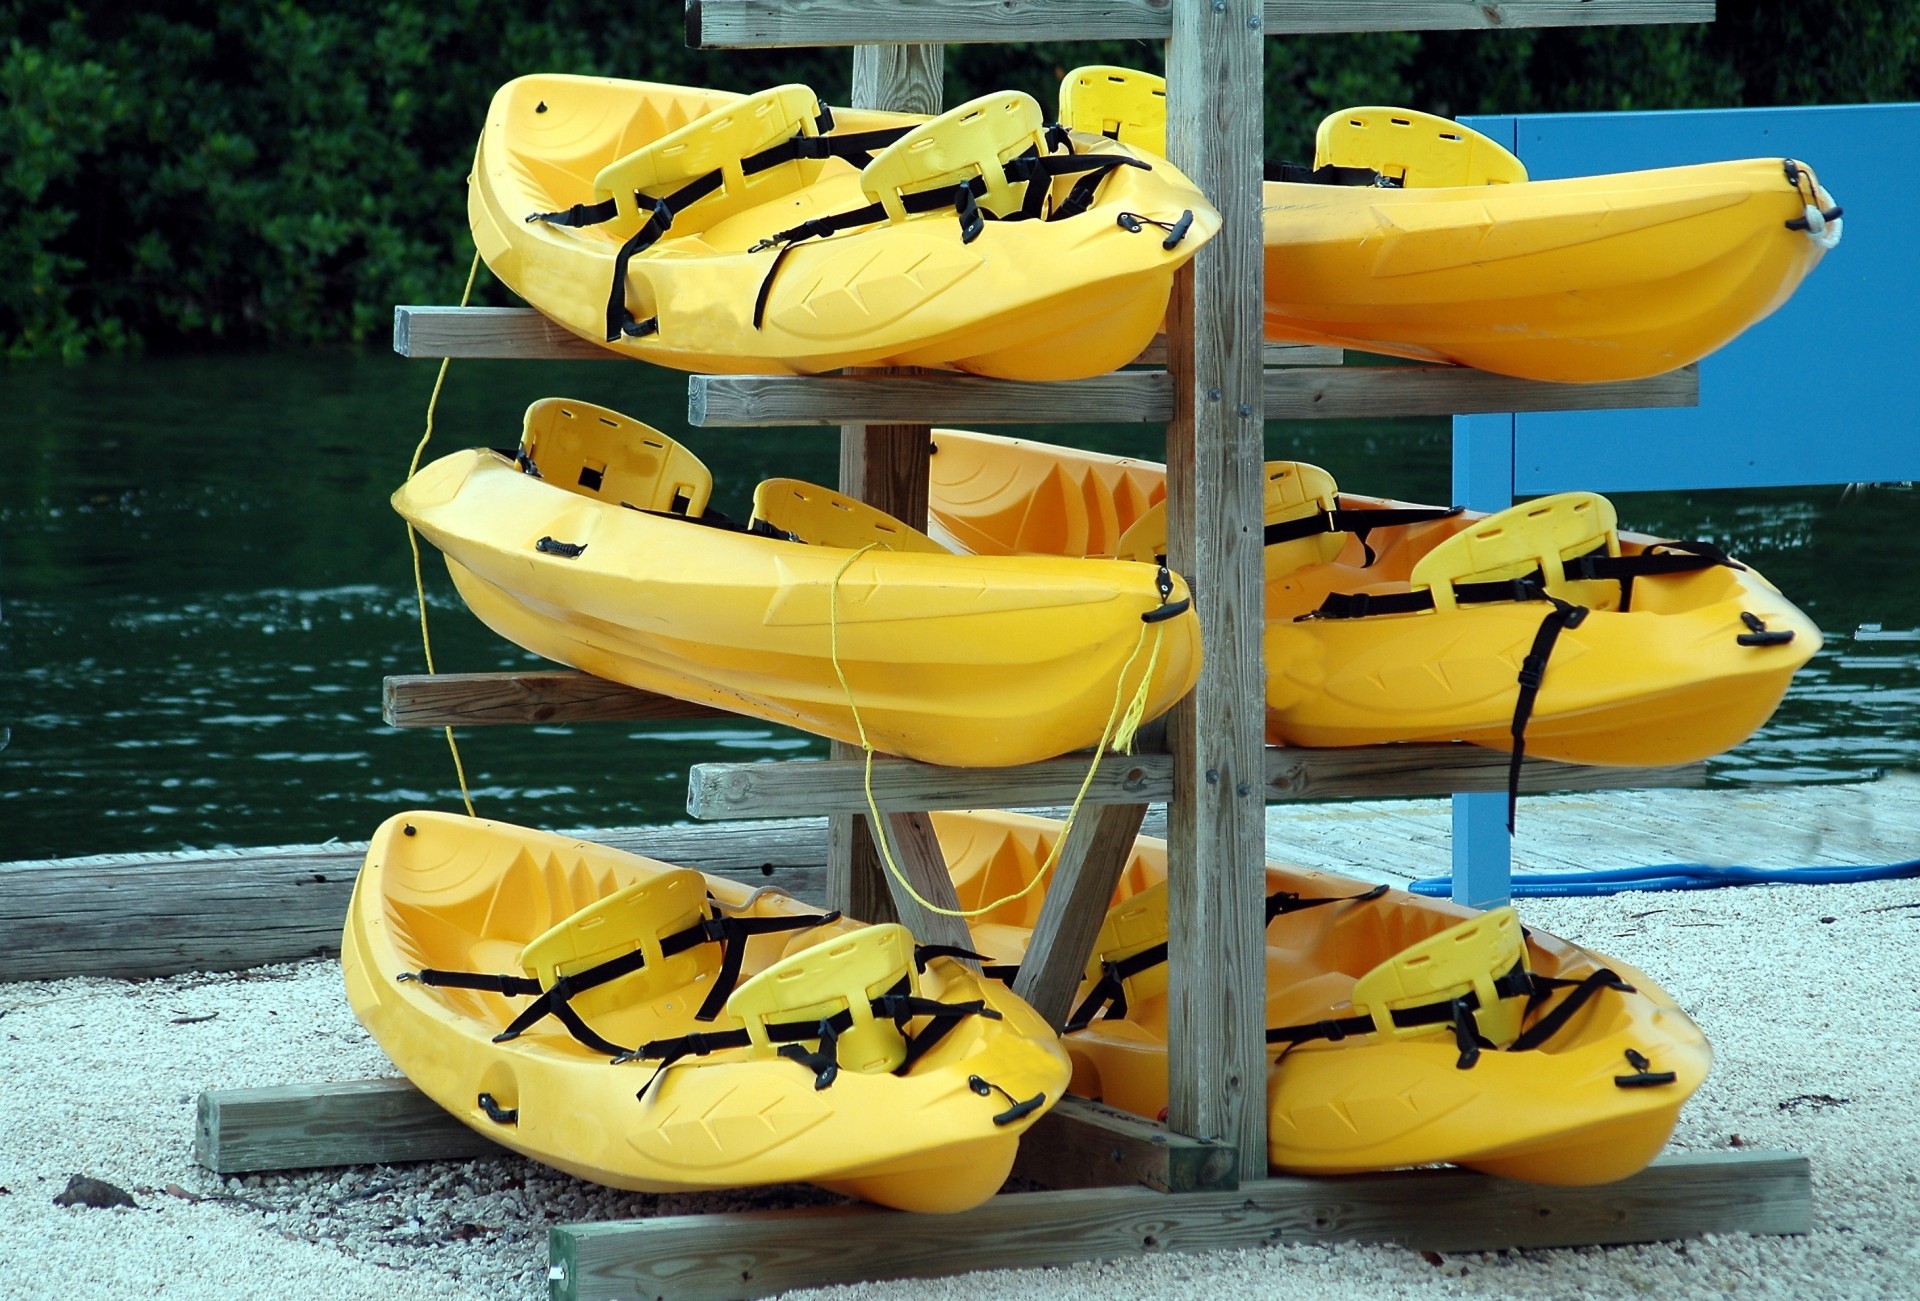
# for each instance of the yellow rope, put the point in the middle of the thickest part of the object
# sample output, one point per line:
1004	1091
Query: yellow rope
1122	723
413	540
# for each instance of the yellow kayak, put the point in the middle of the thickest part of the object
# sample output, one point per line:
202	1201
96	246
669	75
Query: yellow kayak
1393	622
1417	237
764	234
593	545
554	995
1402	1030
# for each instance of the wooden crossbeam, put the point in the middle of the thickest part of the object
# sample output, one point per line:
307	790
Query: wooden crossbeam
1077	1144
141	915
755	1254
735	24
720	791
1146	396
555	696
523	334
1097	847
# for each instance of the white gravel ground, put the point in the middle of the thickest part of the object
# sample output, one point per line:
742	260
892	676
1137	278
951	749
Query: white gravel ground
1808	993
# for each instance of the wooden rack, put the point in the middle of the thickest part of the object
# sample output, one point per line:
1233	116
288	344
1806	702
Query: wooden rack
1213	383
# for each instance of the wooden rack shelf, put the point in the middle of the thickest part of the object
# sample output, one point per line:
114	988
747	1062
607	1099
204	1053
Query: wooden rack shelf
1212	384
739	24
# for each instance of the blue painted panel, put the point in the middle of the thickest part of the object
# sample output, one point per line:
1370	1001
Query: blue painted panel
1819	392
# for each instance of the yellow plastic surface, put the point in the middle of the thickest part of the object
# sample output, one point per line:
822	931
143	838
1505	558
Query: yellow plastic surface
463	894
975	140
822	517
1587	279
990	499
634	463
1132	926
1032	300
1373	1102
1417	149
952	659
1122	104
1665	682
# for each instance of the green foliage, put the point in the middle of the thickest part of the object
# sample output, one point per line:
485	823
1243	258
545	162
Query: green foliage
286	170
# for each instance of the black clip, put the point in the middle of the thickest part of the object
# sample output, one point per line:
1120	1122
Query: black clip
498	1114
553	548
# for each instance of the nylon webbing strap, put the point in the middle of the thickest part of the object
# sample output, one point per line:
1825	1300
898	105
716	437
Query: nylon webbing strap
1583	990
1533	671
1357	522
1456	1012
1662	558
1328	174
1109	993
555	1000
895	1005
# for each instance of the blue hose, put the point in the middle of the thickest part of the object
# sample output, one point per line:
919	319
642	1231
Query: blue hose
1676	876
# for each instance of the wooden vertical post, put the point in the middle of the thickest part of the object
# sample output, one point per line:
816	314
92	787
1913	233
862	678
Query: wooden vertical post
1216	1012
885	465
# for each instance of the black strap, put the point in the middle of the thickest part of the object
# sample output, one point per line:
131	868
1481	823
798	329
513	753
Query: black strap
1583	990
1109	994
1456	1012
556	1000
1357	522
1328	174
1533	672
896	1005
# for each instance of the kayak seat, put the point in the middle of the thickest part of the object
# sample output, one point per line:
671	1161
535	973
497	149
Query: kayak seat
717	141
974	141
841	975
569	444
1292	490
638	917
1133	927
1468	958
1120	103
821	517
1513	543
1418	150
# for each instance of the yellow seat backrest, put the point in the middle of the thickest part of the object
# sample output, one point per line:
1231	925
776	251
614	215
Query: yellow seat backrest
1132	926
976	139
1292	490
578	445
1122	104
844	973
1512	543
638	916
1465	958
821	517
1417	149
717	140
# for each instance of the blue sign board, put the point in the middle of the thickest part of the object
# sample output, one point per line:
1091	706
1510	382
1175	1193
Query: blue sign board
1816	393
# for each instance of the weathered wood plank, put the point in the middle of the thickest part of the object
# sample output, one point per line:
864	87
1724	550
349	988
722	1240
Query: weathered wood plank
140	915
1077	1144
302	1126
884	465
755	1254
925	900
521	333
1082	1144
559	696
721	791
1146	396
1089	866
481	332
723	24
1216	942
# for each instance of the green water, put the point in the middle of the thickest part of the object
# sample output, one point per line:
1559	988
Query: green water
202	585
